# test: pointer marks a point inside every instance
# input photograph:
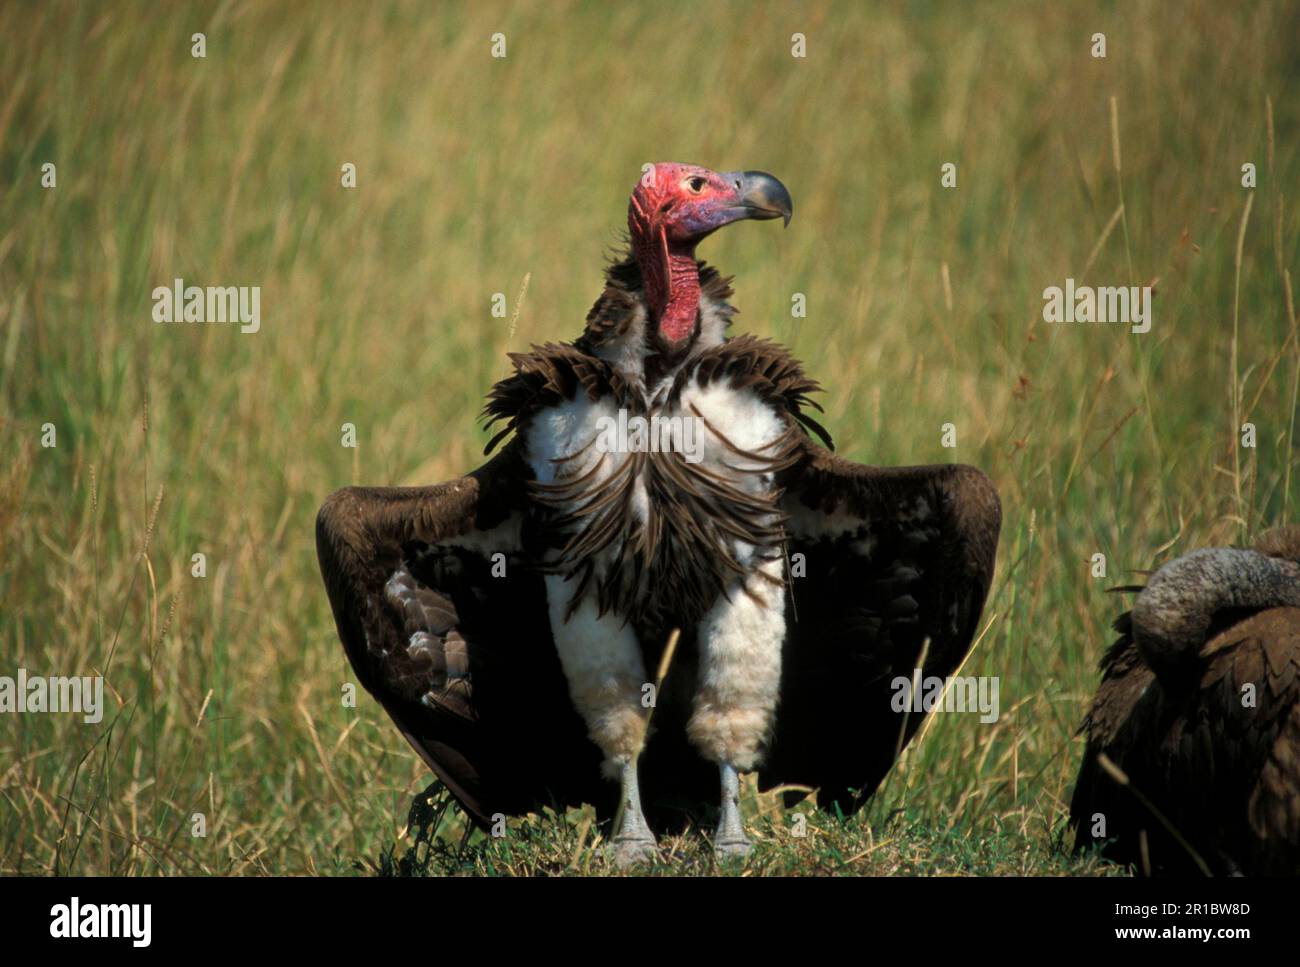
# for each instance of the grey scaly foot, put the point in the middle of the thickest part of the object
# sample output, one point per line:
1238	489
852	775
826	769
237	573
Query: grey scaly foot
631	851
730	841
634	843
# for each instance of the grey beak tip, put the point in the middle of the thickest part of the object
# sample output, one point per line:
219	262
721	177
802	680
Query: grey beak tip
763	196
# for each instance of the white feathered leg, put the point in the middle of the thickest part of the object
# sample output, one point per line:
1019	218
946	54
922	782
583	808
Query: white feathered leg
605	671
740	680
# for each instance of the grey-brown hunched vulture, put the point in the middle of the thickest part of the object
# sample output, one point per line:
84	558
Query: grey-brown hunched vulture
1198	718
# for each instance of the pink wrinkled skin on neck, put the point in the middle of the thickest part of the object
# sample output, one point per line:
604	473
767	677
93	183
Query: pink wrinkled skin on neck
681	302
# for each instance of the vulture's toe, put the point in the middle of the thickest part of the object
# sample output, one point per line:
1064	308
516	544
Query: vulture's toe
634	850
732	847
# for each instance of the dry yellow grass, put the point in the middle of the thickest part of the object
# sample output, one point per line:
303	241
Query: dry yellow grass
924	307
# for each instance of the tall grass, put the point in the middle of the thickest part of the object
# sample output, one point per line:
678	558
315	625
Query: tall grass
476	173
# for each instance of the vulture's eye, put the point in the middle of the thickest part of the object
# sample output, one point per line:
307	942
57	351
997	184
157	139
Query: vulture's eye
697	184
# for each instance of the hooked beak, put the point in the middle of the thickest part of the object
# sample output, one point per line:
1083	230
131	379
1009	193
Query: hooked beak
754	194
762	196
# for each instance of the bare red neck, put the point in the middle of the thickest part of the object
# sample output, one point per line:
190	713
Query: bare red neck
672	284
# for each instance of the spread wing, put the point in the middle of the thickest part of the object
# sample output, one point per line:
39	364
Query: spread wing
881	559
447	627
1219	762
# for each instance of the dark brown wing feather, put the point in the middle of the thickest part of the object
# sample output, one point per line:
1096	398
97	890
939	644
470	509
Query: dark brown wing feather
1224	774
893	556
461	660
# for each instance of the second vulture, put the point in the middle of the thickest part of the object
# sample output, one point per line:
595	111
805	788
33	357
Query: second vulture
1193	757
657	476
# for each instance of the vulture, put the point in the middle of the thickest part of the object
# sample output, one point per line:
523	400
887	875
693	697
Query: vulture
656	480
1192	763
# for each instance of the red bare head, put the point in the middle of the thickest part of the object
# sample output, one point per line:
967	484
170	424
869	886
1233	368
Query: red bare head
673	208
687	203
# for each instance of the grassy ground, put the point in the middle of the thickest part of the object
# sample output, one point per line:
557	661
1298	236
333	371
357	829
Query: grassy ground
924	308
